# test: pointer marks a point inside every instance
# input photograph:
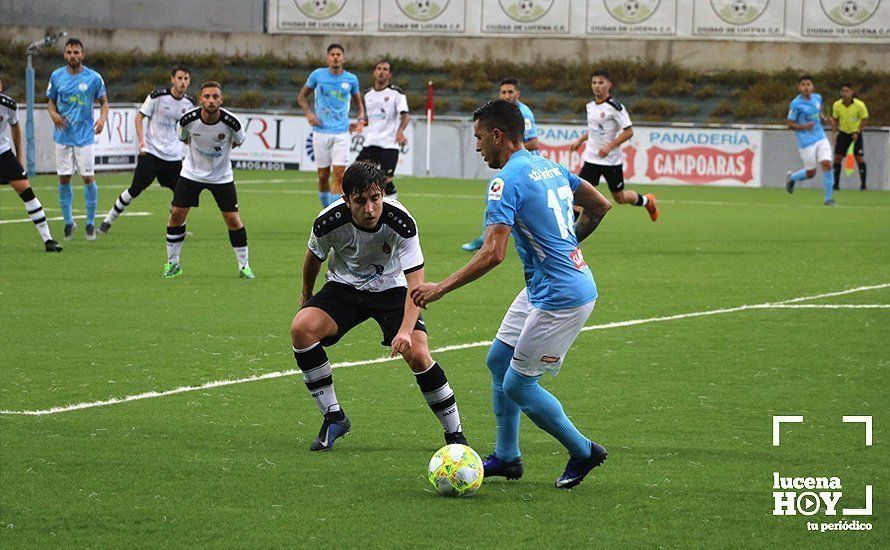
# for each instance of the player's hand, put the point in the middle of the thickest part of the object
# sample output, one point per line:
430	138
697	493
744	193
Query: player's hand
141	147
58	121
604	151
99	126
312	119
809	125
401	343
358	126
400	138
574	146
425	294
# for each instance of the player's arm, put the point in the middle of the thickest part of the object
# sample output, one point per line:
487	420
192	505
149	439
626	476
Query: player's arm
360	102
139	137
492	253
402	341
625	135
577	143
404	119
103	114
58	120
16	130
594	206
532	144
311	269
303	100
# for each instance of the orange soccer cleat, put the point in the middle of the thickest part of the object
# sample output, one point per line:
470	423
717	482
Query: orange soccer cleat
651	207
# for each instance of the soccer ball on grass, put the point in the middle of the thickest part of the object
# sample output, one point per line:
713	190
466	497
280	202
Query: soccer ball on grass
456	471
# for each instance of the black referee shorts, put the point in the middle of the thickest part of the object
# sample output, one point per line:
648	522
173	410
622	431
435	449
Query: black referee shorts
614	175
386	159
349	307
188	191
10	169
149	168
842	143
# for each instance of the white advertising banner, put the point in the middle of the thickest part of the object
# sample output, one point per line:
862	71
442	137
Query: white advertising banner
720	157
423	16
317	15
274	142
537	17
847	19
634	18
738	18
115	147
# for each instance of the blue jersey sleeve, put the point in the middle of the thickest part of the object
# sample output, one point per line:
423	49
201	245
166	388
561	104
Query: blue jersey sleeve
353	85
52	91
793	113
312	81
503	202
99	86
531	131
574	180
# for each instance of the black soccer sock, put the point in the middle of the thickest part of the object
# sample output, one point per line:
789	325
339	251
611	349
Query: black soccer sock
238	237
175	239
837	175
640	201
862	174
317	375
434	386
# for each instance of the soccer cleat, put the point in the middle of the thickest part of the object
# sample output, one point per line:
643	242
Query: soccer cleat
104	228
455	438
52	246
577	469
172	269
90	232
472	245
651	207
246	273
829	202
334	426
69	231
789	183
495	467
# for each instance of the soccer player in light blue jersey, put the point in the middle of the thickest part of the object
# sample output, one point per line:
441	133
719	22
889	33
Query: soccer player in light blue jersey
333	88
509	91
71	92
805	117
532	198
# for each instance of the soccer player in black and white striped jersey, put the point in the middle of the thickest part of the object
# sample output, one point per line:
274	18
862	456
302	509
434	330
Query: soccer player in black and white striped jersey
12	173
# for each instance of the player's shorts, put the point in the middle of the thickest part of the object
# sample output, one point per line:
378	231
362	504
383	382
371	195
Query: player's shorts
330	149
188	191
540	338
816	153
349	307
149	168
386	159
71	159
614	175
842	143
10	169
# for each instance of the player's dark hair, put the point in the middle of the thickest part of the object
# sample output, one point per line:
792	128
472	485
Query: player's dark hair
382	61
603	74
177	68
361	176
503	115
335	45
804	77
74	42
211	84
846	85
511	81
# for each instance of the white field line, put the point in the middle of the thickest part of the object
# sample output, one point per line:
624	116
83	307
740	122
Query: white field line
292	372
827	306
60	218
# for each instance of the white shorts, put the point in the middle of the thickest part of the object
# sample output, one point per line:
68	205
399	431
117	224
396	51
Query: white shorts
330	149
70	159
540	338
816	153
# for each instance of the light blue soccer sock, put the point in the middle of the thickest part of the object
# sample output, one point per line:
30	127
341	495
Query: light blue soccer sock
66	197
506	411
323	198
828	184
546	412
91	198
800	175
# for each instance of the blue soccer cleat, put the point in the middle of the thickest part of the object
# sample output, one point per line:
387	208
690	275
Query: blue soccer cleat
495	467
577	469
472	245
335	425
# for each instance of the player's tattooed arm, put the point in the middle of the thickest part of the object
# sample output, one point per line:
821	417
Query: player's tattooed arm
593	209
303	100
311	269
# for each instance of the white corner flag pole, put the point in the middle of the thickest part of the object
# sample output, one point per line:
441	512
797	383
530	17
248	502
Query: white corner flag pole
429	125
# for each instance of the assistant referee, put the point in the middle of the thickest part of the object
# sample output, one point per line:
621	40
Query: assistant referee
849	114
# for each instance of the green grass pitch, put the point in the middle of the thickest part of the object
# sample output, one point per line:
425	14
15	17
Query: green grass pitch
684	405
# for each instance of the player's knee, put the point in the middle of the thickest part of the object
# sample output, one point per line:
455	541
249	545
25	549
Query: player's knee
498	359
826	165
811	173
302	334
233	220
64	180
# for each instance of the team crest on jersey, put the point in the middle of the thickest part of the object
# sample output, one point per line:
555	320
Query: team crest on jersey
526	11
422	10
386	248
738	12
495	189
221	137
83	86
849	12
320	9
631	11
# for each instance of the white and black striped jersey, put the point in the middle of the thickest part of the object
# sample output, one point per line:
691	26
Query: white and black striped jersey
604	122
8	117
384	109
163	112
208	155
365	259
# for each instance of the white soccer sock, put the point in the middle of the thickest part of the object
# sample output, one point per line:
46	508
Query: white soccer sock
438	395
35	212
121	204
242	254
317	374
175	239
645	200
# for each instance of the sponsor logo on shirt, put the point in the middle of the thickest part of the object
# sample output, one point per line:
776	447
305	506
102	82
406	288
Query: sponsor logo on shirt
496	189
578	259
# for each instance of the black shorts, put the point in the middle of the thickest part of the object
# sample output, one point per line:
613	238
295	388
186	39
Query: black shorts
149	168
349	307
842	143
187	192
614	175
10	169
386	159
